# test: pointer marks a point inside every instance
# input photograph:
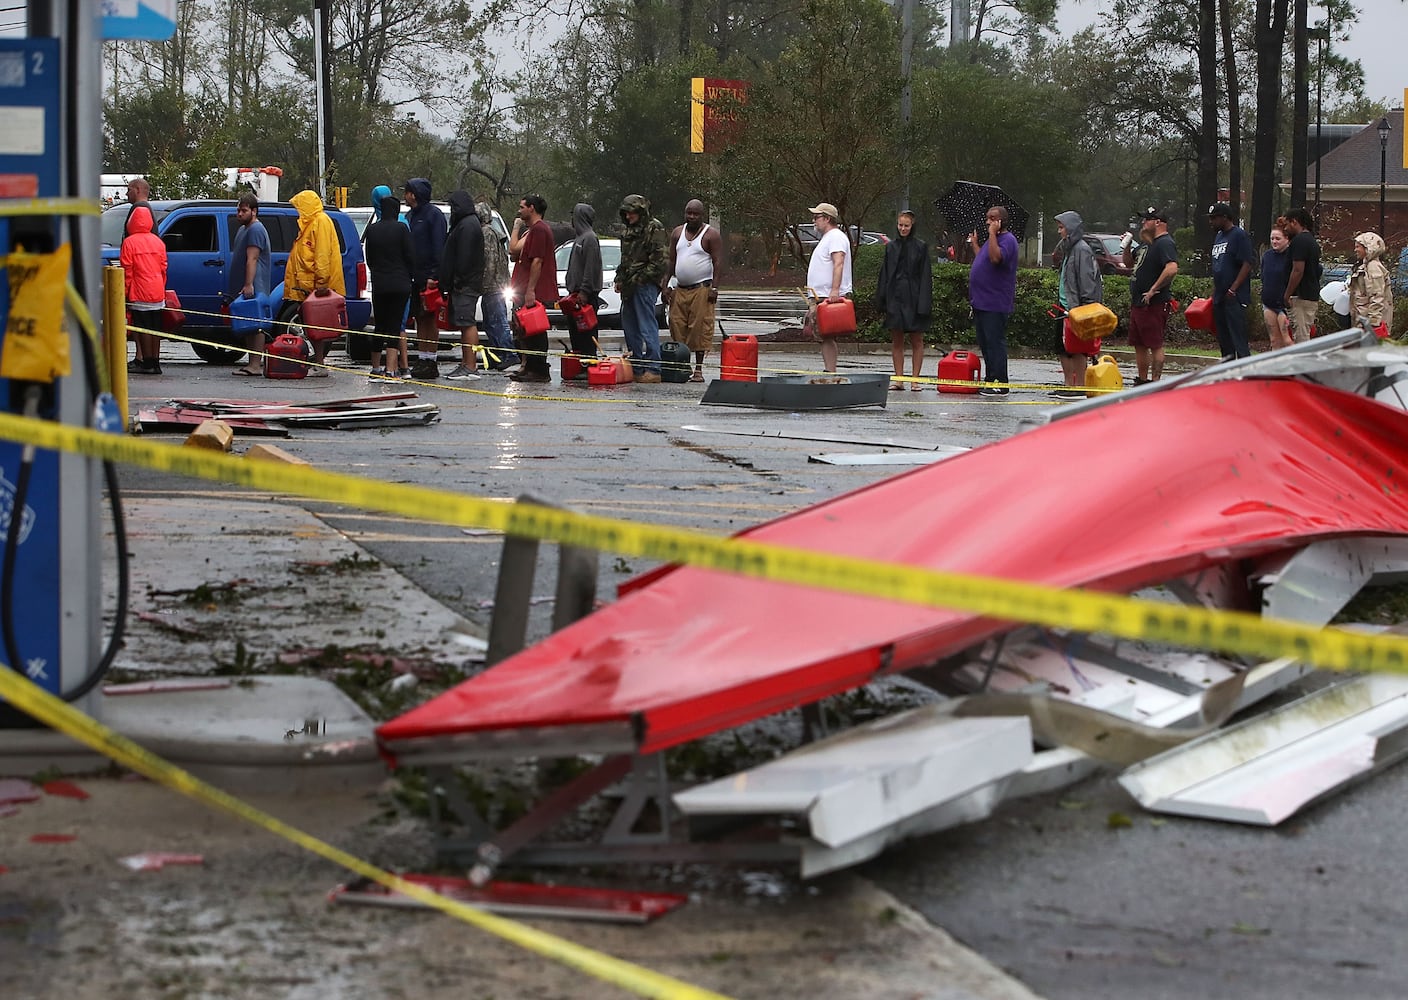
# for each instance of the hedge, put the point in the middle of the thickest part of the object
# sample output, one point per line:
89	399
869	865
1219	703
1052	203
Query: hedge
1030	327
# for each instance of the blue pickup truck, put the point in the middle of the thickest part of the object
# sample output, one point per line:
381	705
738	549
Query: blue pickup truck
198	235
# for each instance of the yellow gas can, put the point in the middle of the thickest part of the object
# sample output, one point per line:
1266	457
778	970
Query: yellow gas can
1093	321
1105	375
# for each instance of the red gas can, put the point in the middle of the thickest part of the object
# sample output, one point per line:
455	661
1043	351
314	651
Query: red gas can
324	316
835	319
740	359
610	371
287	355
960	366
573	365
533	319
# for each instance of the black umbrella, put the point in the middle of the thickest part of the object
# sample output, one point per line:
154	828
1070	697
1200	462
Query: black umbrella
966	204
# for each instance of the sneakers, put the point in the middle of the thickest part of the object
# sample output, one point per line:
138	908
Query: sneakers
527	376
401	373
377	374
993	390
648	377
504	366
424	370
463	374
1067	392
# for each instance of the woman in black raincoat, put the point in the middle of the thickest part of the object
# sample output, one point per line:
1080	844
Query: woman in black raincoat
905	295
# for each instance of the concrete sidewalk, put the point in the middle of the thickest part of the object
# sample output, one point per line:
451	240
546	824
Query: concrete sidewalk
303	741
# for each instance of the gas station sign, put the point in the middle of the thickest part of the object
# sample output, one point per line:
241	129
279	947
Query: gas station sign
712	119
150	20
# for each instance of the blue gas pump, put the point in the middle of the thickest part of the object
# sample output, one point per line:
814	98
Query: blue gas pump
50	535
29	167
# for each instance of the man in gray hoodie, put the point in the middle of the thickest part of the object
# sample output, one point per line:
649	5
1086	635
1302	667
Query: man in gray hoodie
1079	285
584	280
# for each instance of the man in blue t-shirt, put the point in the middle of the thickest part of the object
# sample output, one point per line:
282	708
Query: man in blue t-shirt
249	272
1232	261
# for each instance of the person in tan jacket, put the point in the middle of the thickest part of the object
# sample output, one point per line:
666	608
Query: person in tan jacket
1370	293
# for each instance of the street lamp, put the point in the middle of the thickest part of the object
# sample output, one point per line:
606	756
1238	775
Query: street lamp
1321	36
1384	129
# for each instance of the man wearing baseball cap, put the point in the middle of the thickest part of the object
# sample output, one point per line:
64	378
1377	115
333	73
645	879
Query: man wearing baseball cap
829	272
1232	262
1155	263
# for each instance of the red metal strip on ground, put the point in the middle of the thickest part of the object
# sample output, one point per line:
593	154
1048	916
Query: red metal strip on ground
619	905
1119	498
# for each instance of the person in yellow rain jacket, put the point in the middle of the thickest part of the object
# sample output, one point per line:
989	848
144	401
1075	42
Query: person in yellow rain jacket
314	264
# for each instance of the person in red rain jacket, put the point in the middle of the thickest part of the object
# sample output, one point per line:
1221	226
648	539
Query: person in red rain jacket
143	259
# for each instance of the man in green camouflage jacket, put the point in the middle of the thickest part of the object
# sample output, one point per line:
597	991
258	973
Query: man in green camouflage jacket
644	263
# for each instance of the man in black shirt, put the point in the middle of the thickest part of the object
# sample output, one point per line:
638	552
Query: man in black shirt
1154	267
1303	283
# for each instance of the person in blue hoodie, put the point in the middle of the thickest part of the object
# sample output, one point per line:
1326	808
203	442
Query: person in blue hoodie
428	233
379	194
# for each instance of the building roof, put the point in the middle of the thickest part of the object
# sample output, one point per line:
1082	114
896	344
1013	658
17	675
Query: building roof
1356	161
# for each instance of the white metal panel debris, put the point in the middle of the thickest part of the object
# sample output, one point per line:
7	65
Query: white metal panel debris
872	777
1271	766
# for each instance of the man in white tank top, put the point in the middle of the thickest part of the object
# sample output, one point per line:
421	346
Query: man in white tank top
829	272
696	262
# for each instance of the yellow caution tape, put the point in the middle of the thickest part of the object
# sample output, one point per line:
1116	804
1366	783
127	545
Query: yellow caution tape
54	713
1081	610
49	206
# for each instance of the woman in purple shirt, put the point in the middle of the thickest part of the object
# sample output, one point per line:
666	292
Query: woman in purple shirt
992	291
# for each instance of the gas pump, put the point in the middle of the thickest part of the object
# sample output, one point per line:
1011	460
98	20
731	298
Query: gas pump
50	534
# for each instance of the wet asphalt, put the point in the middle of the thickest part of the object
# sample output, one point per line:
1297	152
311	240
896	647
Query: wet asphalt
1050	889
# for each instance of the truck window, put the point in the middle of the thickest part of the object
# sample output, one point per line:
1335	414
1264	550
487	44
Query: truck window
194	233
282	230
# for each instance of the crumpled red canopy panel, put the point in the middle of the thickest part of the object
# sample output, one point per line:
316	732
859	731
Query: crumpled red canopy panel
1115	499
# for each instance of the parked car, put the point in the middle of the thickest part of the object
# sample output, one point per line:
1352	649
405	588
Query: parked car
361	218
198	236
609	315
808	238
1108	254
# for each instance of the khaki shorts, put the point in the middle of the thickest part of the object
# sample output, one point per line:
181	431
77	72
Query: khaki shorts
1302	313
692	318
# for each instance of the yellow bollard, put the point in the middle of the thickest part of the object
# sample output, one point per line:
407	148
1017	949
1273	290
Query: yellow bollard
115	334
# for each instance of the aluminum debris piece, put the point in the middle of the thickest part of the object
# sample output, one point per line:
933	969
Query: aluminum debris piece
1315	583
1266	769
155	861
786	435
867	779
801	392
884	458
17	790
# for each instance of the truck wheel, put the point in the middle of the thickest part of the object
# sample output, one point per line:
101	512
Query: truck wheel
217	355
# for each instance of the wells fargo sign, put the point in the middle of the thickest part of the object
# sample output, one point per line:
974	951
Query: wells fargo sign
712	110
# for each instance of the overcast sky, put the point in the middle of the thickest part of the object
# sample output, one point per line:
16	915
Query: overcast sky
1376	41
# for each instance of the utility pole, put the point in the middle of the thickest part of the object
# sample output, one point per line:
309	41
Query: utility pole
322	88
959	22
906	53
